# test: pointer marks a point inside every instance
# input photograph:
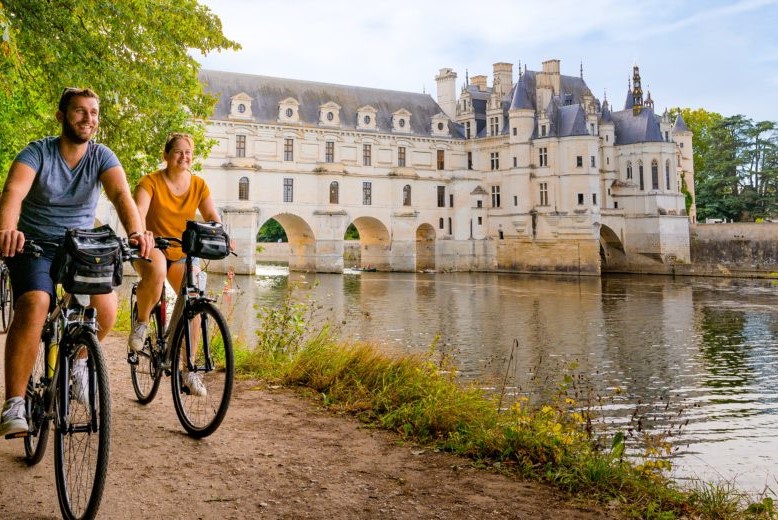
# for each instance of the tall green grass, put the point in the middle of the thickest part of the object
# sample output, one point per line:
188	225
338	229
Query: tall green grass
420	398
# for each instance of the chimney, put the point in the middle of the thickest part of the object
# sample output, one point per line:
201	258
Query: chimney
480	82
503	75
447	97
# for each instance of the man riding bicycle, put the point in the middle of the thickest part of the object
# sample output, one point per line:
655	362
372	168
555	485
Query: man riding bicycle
54	185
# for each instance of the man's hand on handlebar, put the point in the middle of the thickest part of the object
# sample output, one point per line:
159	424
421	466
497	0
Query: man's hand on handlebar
143	241
11	242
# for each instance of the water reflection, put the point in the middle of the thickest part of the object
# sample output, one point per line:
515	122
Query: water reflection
705	347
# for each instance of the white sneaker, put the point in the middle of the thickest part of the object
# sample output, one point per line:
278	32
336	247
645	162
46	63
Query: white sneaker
138	337
79	379
194	383
14	417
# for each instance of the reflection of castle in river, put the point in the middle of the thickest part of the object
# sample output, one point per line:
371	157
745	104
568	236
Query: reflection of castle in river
535	174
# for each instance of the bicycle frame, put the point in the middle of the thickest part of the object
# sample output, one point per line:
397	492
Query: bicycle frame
61	324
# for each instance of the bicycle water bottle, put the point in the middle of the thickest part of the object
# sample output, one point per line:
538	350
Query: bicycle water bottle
51	362
202	280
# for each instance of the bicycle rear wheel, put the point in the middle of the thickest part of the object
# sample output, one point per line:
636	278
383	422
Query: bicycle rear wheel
144	371
201	415
35	404
6	300
82	441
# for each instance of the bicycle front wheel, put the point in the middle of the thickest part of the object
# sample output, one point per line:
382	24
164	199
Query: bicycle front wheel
35	404
6	300
83	435
201	408
144	370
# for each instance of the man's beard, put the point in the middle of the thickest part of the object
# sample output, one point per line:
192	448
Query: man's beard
70	132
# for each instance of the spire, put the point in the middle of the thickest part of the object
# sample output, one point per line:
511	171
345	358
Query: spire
519	69
467	78
637	92
680	124
581	69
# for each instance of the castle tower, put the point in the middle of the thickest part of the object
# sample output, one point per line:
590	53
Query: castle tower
682	137
447	96
637	92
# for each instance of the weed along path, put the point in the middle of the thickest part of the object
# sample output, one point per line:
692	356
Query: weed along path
276	456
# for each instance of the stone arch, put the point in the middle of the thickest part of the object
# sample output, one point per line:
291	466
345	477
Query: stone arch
612	253
425	247
302	241
374	243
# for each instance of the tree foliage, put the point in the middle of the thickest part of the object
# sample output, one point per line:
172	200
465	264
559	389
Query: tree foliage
134	54
736	166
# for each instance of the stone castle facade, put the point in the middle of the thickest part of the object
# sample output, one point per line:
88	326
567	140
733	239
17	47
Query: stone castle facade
530	174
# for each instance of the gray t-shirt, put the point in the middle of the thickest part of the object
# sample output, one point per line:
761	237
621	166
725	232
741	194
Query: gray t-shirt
60	197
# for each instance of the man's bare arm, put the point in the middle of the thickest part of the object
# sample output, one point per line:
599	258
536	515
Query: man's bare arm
17	186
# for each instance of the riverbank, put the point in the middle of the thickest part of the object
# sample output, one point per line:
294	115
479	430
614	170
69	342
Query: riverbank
276	456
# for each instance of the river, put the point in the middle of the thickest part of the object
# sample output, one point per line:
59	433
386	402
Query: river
700	354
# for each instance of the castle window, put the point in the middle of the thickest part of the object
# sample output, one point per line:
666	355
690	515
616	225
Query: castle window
407	195
593	161
441	223
515	200
240	146
480	221
450	200
542	130
400	156
329	152
594	199
640	176
288	190
543	152
469	160
495	196
515	131
367	155
629	170
580	199
243	188
544	194
667	174
515	162
289	149
334	192
367	193
495	160
654	175
467	129
579	161
441	159
441	196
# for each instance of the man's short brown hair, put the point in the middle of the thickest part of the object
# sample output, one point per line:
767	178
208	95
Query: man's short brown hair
70	92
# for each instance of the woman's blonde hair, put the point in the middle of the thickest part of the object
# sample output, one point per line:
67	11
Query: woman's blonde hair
175	136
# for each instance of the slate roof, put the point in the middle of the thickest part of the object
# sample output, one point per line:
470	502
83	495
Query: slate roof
680	124
641	128
267	92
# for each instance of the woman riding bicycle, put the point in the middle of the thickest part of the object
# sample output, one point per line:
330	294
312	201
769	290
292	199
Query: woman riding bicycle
166	199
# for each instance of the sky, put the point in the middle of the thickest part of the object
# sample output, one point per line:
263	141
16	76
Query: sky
713	54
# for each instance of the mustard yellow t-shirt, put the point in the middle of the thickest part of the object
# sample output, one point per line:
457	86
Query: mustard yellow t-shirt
168	212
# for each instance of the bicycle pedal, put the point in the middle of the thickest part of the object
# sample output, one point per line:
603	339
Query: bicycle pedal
132	358
17	435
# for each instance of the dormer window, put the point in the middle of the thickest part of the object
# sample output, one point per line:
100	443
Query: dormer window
288	111
240	106
366	118
401	121
439	125
329	114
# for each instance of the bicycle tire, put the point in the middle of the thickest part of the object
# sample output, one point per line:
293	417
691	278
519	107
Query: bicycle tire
82	447
145	373
201	416
6	300
35	404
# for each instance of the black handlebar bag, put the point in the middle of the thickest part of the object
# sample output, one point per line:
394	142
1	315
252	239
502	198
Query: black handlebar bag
206	240
89	261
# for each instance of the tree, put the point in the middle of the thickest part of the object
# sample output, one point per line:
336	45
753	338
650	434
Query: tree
272	231
134	54
736	166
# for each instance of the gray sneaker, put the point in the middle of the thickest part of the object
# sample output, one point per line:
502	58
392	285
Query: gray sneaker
194	383
14	417
138	337
79	379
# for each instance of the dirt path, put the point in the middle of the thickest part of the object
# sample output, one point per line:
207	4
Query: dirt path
276	456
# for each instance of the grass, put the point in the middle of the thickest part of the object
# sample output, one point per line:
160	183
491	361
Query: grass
421	399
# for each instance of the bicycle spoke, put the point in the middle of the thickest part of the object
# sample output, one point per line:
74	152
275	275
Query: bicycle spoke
201	414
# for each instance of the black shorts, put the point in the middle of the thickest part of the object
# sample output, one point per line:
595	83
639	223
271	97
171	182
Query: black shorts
30	273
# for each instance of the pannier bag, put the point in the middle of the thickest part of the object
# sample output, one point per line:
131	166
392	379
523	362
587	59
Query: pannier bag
89	261
206	240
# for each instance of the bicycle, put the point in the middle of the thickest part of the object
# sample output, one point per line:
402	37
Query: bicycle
82	420
201	342
6	298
